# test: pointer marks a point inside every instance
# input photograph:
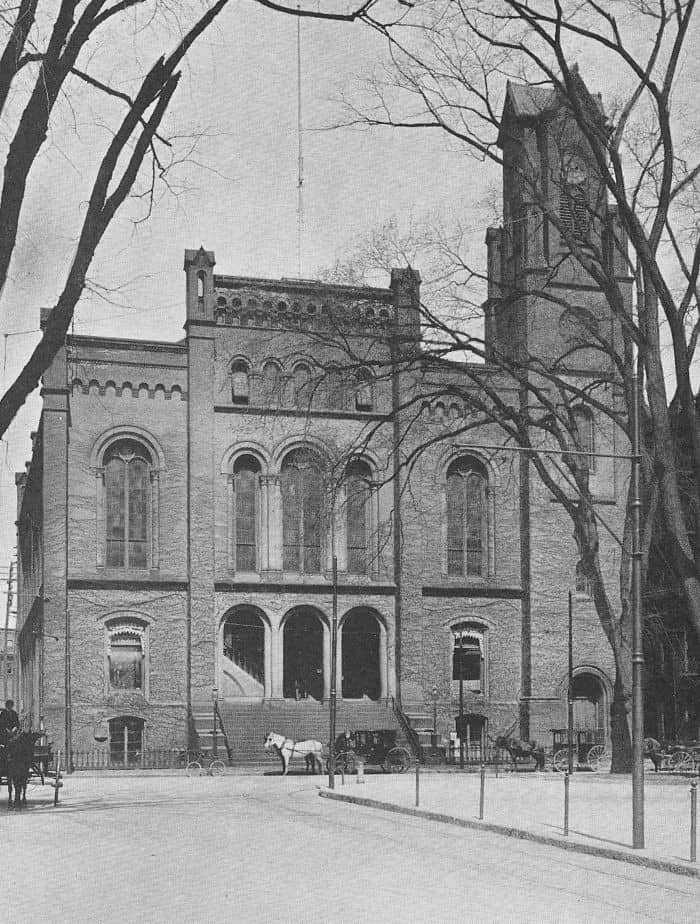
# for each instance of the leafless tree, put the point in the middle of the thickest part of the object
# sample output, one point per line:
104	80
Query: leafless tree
450	64
51	56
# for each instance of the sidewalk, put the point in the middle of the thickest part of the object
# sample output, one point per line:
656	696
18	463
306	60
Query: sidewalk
531	806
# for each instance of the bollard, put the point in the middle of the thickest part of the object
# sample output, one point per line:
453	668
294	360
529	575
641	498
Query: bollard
360	772
417	785
567	780
481	792
342	774
694	821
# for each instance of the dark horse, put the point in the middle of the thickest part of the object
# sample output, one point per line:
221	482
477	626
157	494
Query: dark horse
18	756
516	747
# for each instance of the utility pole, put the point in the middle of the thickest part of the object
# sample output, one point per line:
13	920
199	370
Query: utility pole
5	663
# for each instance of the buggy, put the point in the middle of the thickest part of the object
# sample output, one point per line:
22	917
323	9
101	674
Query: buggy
371	747
590	752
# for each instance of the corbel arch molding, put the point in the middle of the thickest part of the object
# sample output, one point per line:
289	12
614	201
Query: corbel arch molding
249	448
97	454
300	441
452	453
586	668
126	431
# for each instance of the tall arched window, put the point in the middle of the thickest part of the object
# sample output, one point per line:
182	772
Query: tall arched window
246	473
301	384
466	519
127	465
357	505
303	514
240	388
271	383
584	437
573	194
363	390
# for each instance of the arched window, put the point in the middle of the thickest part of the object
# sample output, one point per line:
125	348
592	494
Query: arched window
469	657
466	519
240	388
573	206
363	390
584	438
303	513
271	382
246	473
357	505
334	388
301	385
126	656
127	465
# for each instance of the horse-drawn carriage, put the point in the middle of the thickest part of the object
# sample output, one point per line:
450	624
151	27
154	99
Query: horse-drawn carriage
677	757
370	747
27	758
589	750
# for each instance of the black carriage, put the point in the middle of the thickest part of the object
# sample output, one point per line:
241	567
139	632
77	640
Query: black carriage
676	756
589	750
371	747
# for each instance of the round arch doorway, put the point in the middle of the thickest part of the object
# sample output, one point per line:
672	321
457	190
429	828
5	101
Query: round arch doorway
590	704
303	655
361	652
243	649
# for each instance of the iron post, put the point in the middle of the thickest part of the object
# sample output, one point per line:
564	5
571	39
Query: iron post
333	694
570	693
637	650
214	696
434	693
461	701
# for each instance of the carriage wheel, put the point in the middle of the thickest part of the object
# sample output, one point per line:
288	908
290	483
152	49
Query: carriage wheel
193	768
217	768
599	759
345	763
681	760
397	760
560	761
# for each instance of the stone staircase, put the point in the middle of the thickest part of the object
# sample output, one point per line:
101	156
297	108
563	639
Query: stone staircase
247	725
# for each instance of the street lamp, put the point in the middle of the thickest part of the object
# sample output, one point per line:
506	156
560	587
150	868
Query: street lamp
214	698
434	693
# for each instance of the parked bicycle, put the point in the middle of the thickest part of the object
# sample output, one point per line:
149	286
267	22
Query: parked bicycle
202	763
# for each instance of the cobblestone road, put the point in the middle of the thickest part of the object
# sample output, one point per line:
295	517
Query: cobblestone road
265	849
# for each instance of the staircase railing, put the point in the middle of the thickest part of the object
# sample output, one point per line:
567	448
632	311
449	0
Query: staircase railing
408	730
217	713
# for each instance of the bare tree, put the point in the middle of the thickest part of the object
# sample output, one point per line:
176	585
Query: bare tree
46	55
450	68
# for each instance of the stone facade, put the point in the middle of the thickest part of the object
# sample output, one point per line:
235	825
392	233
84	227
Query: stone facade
279	384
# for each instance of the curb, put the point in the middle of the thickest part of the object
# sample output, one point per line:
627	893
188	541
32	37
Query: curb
609	853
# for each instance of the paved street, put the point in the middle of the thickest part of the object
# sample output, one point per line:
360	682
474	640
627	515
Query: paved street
258	849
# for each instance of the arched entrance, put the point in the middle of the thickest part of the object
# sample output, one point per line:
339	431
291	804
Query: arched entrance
361	651
303	655
590	703
244	652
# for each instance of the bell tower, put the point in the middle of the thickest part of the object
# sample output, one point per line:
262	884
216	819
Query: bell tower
542	304
199	275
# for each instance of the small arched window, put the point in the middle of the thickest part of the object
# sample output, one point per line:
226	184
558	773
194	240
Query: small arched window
240	386
358	491
363	390
466	519
469	657
201	277
303	512
246	475
127	465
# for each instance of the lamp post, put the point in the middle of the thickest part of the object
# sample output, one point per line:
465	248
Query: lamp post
434	693
334	674
461	701
214	697
570	691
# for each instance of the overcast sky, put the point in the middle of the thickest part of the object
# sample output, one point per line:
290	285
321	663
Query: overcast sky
237	196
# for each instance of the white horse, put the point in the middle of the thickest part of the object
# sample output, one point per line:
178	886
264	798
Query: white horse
287	748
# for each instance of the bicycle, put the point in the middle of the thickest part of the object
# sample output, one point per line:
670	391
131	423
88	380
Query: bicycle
203	763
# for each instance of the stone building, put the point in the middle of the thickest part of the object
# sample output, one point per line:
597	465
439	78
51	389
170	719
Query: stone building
185	503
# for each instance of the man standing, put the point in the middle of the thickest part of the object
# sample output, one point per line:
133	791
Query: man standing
9	721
